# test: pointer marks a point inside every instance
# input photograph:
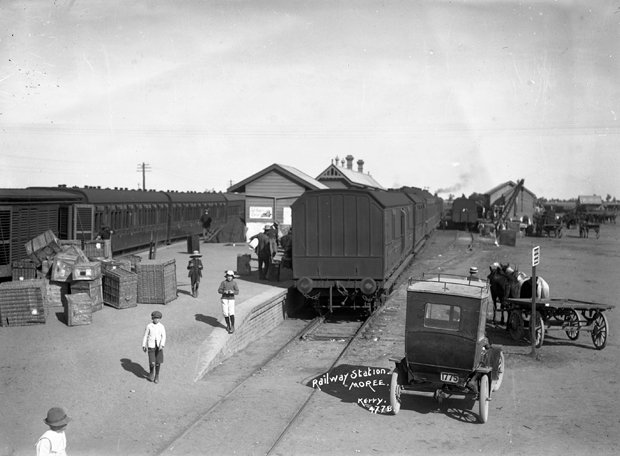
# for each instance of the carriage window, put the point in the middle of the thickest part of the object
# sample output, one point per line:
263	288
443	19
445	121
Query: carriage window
442	316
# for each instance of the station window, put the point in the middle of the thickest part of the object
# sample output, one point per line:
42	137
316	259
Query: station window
442	316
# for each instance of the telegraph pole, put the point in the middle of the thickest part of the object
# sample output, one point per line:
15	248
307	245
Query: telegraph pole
144	168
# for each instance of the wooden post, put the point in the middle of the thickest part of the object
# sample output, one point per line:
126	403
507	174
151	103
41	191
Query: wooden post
533	314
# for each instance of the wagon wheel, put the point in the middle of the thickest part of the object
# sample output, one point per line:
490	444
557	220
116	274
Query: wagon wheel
599	332
495	384
540	330
515	325
571	320
483	398
395	390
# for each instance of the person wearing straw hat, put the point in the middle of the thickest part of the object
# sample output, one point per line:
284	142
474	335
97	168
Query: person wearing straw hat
228	289
195	271
54	440
153	342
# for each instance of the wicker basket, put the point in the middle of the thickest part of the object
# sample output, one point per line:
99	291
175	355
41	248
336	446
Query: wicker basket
92	288
117	263
24	269
157	281
120	288
133	259
87	271
101	248
21	303
79	309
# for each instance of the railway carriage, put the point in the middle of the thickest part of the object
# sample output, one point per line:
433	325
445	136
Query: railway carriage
348	244
26	213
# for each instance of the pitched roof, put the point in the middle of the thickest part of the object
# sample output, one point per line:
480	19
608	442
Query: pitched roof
506	193
355	178
301	178
589	199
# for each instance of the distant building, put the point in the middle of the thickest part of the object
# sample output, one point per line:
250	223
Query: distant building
525	204
270	193
342	176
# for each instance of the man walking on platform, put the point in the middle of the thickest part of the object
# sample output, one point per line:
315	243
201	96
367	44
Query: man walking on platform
266	250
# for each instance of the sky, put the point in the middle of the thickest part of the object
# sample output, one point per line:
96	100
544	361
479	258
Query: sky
453	96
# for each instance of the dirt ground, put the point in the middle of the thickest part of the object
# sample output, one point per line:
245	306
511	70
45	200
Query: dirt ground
565	403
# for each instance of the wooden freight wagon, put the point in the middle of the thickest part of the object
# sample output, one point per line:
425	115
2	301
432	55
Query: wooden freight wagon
22	303
348	244
157	281
120	288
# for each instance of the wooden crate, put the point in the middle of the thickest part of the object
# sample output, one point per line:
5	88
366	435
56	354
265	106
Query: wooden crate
97	249
133	259
21	303
92	288
117	263
87	271
73	242
120	288
79	309
157	281
24	269
61	269
56	294
43	247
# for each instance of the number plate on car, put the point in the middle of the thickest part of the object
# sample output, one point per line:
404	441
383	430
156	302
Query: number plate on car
449	378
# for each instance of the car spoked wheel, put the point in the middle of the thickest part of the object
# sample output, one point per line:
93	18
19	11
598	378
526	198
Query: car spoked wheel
483	398
395	390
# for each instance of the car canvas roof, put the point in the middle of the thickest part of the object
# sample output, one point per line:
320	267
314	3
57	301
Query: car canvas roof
450	285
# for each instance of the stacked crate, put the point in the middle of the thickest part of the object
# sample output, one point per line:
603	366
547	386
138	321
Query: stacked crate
56	294
98	249
21	303
120	288
43	247
79	309
157	281
87	280
133	259
116	263
24	269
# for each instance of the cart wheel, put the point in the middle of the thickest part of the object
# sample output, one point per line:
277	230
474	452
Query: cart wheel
495	384
395	389
483	397
572	322
599	332
515	325
540	330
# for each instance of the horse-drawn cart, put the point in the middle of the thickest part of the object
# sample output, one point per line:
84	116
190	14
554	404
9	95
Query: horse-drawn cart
559	314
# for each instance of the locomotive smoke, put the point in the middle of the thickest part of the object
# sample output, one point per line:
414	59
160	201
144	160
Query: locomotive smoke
464	179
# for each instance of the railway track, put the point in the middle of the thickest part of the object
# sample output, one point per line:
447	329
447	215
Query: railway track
315	350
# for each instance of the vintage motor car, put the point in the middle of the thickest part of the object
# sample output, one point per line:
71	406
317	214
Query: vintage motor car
447	353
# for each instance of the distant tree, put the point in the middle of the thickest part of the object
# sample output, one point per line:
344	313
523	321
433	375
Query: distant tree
608	198
451	197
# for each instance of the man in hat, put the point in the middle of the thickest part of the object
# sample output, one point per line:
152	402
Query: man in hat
228	289
153	342
265	250
54	441
473	273
195	271
205	221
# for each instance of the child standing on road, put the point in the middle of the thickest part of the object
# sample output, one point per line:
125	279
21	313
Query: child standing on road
153	341
54	441
228	289
195	271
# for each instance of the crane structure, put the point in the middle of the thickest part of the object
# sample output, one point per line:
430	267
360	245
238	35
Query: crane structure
501	219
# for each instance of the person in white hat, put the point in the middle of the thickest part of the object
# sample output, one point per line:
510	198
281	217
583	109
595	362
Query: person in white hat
54	440
195	271
228	289
473	273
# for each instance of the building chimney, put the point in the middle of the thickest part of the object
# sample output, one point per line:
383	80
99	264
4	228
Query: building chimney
360	166
349	159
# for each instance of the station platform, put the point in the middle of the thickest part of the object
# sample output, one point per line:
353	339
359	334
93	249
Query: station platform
99	369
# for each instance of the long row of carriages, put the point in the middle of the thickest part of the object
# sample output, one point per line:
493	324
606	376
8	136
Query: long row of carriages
80	276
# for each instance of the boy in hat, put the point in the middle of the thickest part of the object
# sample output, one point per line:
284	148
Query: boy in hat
153	342
54	441
228	289
195	271
473	273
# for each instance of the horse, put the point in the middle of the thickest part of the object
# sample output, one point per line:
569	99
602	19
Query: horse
525	289
504	284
